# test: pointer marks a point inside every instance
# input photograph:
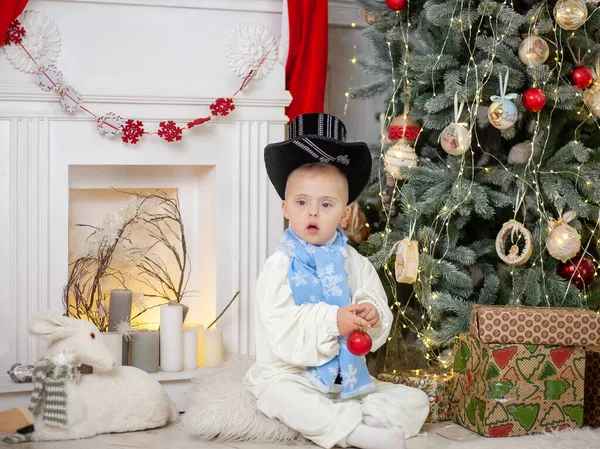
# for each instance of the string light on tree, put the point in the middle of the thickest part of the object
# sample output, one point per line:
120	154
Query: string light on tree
533	99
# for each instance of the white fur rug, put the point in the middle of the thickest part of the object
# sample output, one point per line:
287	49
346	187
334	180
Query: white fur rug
221	408
568	439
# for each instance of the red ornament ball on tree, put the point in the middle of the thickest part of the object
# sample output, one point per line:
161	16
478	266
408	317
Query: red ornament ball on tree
359	343
579	272
396	5
533	99
581	77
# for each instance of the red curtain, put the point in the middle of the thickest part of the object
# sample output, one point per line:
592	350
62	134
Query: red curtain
9	11
306	66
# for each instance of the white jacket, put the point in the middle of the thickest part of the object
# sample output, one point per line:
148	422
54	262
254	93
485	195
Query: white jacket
290	337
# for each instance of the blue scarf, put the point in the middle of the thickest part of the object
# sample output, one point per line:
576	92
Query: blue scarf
317	274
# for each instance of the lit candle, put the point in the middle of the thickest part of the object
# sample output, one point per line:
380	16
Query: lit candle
213	347
144	350
114	341
171	338
190	349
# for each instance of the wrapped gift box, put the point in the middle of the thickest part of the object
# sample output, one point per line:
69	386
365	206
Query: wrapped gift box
592	387
564	326
511	389
435	383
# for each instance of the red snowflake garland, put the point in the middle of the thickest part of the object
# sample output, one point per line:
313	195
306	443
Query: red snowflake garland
222	106
132	131
14	34
169	131
198	121
50	79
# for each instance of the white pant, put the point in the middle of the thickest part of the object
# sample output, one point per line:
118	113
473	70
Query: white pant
327	420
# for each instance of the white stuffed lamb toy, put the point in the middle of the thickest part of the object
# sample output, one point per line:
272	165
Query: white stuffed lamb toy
112	399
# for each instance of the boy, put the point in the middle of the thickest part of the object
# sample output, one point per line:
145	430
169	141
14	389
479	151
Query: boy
314	292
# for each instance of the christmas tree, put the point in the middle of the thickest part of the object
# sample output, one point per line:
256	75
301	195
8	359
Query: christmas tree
488	166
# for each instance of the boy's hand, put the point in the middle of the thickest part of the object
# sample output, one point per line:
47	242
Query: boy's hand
370	314
349	320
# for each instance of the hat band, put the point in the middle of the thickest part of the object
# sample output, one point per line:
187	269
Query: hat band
320	155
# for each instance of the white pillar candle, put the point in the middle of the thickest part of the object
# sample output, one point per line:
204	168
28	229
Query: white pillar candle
114	341
171	338
199	328
190	349
213	347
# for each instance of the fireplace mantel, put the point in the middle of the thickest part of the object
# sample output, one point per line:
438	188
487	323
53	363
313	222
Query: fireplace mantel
160	60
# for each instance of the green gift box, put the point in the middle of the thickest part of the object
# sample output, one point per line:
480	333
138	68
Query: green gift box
516	389
435	383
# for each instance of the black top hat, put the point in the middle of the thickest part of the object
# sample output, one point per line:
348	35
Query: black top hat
319	138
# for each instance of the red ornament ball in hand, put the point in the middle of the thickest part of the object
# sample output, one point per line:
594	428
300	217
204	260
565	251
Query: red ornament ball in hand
579	271
396	5
533	99
359	343
581	77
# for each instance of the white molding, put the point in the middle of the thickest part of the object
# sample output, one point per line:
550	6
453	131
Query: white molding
344	14
269	6
29	225
32	93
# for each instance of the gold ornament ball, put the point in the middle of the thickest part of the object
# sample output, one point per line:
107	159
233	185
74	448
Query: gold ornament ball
533	50
399	155
563	242
591	97
570	14
455	139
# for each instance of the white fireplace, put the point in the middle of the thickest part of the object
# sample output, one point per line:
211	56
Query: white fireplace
165	60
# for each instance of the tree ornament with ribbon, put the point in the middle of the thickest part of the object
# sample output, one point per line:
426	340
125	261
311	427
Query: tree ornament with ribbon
403	131
563	241
518	234
533	50
581	76
570	14
502	113
456	138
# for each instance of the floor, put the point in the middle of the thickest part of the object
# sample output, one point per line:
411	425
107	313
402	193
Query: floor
172	437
